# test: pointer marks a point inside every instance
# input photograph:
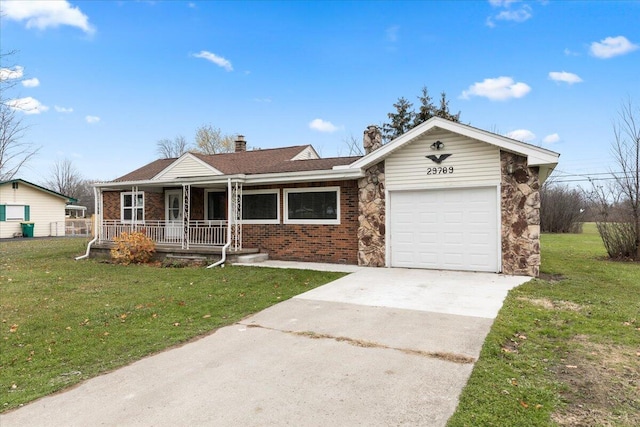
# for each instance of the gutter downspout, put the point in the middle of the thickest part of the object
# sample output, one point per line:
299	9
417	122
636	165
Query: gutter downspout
226	246
95	238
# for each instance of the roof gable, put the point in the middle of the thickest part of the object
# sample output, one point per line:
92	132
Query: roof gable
187	165
67	199
536	156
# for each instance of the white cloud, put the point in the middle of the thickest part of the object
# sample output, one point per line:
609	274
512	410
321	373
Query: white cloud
34	82
27	105
519	14
92	119
522	135
498	89
62	109
392	33
262	100
10	74
502	3
569	52
612	46
550	139
218	60
47	14
322	126
563	76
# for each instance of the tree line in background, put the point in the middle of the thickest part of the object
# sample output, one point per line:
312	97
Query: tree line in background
613	205
208	140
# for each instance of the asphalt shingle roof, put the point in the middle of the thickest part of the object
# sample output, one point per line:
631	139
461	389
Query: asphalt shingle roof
273	160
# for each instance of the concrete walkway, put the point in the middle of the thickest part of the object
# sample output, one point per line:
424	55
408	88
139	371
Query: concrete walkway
377	347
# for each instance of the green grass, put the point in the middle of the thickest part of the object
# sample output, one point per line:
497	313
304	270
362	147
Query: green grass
564	349
64	321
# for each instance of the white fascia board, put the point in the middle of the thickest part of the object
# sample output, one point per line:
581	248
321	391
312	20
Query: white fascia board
536	156
222	179
384	151
180	159
305	176
262	179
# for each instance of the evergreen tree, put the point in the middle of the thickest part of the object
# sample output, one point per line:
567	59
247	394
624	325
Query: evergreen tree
443	110
405	119
427	109
400	121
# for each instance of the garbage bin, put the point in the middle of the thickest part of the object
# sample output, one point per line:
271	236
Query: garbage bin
27	229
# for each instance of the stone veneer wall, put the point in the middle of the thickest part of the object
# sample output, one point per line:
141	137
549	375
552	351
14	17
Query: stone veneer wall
520	204
371	205
371	217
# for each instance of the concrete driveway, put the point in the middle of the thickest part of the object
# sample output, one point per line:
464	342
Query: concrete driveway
376	347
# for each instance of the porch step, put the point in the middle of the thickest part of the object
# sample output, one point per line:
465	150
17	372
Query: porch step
187	257
252	258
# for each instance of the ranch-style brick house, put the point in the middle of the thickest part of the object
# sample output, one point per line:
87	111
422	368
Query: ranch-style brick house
442	196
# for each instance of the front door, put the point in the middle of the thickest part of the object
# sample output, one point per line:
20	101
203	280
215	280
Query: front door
173	213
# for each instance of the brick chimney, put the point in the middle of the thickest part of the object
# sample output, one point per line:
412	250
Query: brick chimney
372	139
241	144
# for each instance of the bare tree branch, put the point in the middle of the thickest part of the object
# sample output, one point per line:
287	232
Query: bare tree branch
169	149
65	179
619	222
14	152
211	140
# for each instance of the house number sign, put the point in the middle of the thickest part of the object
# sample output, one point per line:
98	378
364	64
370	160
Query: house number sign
439	170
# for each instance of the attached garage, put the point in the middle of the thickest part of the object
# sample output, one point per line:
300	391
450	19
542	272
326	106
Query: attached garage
452	229
450	196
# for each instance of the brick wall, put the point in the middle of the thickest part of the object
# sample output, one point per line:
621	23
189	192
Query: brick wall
111	205
312	242
153	205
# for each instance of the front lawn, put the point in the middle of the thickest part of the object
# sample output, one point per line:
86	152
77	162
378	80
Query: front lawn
64	321
565	348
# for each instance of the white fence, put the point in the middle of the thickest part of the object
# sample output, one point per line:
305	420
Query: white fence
210	233
71	227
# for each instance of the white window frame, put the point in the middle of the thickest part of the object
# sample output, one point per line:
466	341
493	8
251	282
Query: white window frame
263	221
17	207
133	208
206	206
287	220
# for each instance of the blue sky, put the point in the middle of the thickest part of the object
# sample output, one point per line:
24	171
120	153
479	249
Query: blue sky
105	80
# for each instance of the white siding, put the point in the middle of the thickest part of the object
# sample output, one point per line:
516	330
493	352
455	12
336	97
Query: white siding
474	163
45	209
185	167
306	154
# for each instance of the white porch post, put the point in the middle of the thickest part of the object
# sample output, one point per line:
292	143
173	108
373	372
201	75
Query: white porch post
236	220
97	216
186	202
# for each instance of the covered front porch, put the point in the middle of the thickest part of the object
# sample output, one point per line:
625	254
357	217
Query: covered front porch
202	217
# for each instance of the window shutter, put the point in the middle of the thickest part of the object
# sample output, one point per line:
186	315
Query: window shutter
3	212
27	213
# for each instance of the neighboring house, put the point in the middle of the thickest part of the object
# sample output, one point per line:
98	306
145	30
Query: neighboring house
442	196
22	201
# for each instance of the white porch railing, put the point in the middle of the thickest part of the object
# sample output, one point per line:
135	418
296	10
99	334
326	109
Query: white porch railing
209	233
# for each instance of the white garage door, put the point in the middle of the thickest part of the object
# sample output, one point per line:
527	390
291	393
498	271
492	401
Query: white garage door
453	229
